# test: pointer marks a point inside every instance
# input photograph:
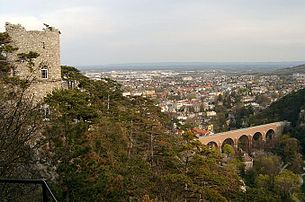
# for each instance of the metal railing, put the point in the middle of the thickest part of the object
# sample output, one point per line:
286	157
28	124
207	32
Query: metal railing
45	188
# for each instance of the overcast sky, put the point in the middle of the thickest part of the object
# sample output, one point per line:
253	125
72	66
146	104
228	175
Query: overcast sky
144	31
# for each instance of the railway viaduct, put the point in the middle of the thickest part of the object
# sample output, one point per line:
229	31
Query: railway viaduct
245	138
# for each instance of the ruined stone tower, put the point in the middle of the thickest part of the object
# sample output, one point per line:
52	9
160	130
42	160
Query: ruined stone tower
45	73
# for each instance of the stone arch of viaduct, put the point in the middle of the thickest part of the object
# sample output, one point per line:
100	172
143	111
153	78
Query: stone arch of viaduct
250	136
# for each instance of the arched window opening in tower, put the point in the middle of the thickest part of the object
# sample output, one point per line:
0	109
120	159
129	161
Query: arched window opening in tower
44	73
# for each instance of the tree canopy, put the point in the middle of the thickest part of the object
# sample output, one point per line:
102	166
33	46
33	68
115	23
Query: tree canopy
104	146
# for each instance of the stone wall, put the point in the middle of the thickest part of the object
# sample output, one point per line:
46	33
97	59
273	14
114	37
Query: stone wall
47	44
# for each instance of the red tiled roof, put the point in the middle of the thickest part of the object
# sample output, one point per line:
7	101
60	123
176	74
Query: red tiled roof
200	132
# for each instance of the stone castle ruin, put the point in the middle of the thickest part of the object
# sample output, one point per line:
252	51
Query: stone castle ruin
45	71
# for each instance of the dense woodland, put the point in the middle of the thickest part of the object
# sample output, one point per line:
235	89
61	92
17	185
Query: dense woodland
96	145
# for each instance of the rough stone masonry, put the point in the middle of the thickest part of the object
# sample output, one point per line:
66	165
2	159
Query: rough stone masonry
46	72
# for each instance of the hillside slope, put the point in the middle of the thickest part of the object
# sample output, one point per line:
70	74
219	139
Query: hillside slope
287	108
291	70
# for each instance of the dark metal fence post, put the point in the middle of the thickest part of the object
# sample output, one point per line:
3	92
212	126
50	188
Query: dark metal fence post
44	193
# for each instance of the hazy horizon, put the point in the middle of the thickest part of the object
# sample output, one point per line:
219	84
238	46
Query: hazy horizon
229	66
201	62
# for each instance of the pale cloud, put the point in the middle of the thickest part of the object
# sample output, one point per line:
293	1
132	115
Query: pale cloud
77	20
30	22
119	31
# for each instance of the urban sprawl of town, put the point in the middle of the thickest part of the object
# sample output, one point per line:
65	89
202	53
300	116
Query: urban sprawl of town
208	101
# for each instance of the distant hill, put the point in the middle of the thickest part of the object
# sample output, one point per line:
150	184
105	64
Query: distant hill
196	66
291	70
